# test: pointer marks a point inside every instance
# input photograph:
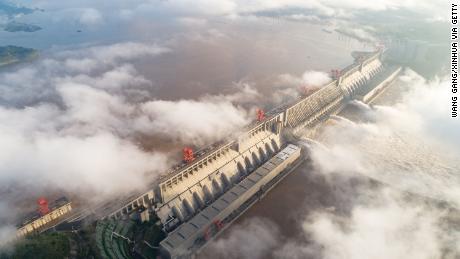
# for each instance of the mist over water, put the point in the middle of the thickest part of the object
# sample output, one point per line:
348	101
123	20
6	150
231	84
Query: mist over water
400	144
120	87
402	148
385	180
181	72
113	116
411	165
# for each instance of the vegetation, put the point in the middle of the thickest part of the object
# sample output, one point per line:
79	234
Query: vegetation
45	246
152	233
15	54
17	26
86	243
11	10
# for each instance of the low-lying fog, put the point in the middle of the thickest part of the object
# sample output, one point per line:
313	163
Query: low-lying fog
120	87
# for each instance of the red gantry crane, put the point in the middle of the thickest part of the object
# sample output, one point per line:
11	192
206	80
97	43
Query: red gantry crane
260	115
43	206
335	73
188	154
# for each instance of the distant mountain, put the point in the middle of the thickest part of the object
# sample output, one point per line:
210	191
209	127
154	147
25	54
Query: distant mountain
14	54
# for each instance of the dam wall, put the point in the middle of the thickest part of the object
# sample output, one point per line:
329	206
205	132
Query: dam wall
190	236
190	187
380	87
198	188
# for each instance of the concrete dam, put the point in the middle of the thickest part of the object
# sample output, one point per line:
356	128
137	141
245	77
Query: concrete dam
198	199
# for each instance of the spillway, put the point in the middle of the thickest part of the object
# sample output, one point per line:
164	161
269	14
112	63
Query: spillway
196	200
192	235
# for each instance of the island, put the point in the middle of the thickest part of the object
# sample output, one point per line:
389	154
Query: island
11	10
15	54
17	26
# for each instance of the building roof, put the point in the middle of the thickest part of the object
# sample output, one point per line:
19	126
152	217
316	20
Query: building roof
32	216
186	230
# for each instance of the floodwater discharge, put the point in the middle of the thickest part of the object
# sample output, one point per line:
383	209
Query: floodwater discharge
406	165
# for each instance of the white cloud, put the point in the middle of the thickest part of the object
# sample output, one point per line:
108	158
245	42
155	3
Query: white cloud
289	87
284	95
6	232
410	148
303	17
98	66
288	80
201	7
309	79
126	14
192	21
315	78
245	94
119	77
197	122
252	239
359	33
137	9
99	57
293	249
100	164
73	118
323	7
90	17
385	228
